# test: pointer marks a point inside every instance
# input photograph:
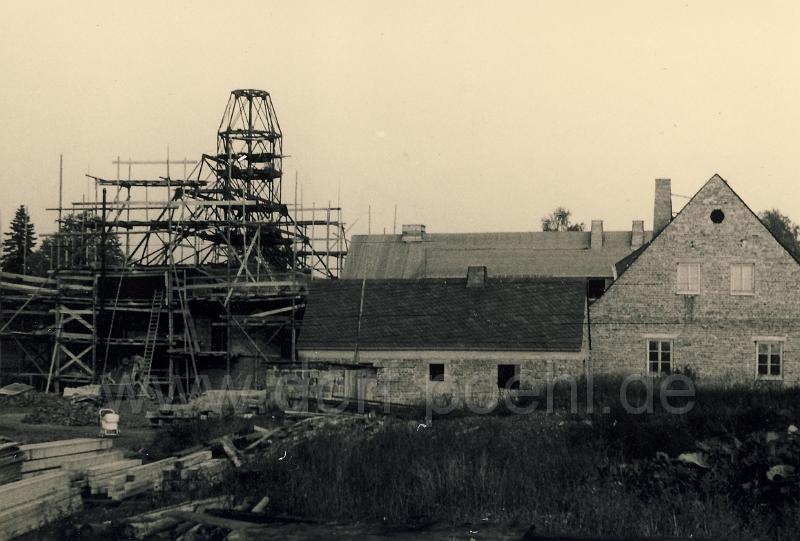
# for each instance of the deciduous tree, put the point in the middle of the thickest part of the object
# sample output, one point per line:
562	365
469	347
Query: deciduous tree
786	231
559	220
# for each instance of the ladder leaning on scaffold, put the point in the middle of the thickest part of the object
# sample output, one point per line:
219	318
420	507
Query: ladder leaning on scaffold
151	339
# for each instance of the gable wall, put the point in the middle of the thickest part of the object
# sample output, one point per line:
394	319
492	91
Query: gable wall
713	331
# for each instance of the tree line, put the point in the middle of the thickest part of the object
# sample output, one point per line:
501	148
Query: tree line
78	244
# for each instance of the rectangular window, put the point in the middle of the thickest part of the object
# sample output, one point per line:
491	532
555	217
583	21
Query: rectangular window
219	337
659	357
743	278
769	360
508	376
436	372
689	278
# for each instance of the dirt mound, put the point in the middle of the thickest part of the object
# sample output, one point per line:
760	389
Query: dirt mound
53	409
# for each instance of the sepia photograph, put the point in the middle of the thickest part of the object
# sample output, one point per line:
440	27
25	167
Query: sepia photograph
400	270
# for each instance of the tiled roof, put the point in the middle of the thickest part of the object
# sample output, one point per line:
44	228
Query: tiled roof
565	254
444	314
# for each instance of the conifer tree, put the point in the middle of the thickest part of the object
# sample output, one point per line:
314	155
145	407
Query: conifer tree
18	244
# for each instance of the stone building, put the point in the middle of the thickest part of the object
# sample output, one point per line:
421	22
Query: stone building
467	340
713	291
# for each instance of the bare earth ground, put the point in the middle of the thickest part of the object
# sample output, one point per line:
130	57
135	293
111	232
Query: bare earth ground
11	426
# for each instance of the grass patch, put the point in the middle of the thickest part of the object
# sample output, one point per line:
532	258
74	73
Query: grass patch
548	471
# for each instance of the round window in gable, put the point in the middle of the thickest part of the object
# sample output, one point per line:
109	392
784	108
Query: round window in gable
717	216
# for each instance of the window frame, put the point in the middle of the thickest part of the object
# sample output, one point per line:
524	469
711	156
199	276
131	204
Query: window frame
678	289
770	342
659	340
515	376
742	292
437	377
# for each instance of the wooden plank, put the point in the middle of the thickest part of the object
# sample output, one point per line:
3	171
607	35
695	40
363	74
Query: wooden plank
193	459
112	482
209	520
12	494
78	460
209	469
151	469
37	290
33	515
230	450
133	488
140	526
36	451
25	278
104	470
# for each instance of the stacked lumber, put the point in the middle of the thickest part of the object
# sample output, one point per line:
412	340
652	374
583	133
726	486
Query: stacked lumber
10	461
75	455
29	504
206	473
100	476
136	480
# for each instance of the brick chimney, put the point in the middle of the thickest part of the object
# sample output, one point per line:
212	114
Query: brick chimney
662	207
637	234
476	276
597	234
413	233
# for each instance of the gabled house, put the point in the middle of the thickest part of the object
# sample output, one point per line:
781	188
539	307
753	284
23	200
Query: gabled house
713	291
469	338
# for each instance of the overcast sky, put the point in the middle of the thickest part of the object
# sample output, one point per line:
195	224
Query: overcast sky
469	116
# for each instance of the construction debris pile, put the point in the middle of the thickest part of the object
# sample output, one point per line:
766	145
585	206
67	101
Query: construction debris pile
54	409
167	522
312	426
79	409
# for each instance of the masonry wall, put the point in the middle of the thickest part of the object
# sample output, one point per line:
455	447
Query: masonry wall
713	332
470	377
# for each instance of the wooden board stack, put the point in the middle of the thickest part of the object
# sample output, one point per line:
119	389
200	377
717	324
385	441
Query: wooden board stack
29	504
196	467
99	477
10	461
74	456
131	480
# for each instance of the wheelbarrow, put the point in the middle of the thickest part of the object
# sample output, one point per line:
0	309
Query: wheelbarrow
109	423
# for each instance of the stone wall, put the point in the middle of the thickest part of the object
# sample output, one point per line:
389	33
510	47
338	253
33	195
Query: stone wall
469	377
